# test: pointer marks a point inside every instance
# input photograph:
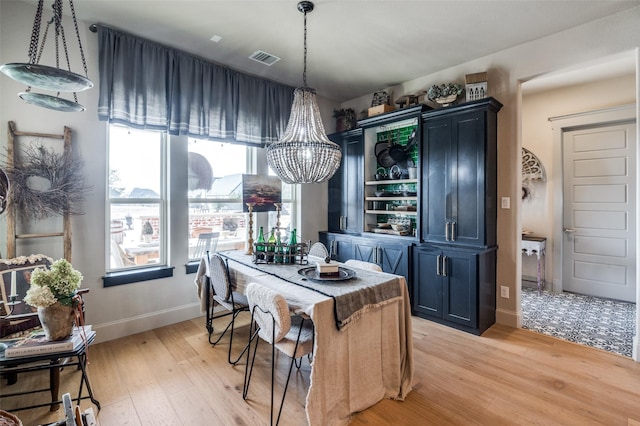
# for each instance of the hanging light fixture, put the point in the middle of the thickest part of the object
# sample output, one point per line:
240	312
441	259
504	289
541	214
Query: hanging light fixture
304	154
34	74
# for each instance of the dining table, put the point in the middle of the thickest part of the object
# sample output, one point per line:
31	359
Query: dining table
363	348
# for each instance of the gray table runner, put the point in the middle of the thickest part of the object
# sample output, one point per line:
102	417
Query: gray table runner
351	297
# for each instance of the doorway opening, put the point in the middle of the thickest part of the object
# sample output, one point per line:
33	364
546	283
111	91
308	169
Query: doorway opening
542	213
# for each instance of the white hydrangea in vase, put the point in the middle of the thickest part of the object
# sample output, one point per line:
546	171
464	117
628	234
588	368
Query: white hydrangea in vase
53	292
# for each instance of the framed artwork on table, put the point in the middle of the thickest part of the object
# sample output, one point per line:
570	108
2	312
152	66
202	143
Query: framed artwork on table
263	191
15	279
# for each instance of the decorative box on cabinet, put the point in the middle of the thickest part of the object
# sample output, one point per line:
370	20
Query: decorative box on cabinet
345	189
455	286
459	174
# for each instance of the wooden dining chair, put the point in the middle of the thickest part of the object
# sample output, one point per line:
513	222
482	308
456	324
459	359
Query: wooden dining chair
363	265
272	321
225	295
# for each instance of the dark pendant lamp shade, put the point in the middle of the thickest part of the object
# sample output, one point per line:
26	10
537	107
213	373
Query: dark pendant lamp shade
304	154
56	79
50	102
46	77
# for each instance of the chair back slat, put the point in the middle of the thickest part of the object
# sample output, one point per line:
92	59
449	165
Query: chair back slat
207	241
219	276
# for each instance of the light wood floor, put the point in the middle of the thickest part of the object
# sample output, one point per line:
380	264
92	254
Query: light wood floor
172	376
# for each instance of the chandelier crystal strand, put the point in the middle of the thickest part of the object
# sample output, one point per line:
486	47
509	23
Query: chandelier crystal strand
304	154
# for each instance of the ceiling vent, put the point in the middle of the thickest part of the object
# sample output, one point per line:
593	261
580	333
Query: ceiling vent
264	57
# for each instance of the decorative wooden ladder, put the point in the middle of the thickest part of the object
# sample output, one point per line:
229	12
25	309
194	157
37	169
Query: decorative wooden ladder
12	236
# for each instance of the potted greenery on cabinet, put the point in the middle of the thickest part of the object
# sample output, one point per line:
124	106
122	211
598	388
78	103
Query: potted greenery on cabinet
345	119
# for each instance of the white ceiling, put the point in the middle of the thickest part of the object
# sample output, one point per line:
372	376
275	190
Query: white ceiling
355	47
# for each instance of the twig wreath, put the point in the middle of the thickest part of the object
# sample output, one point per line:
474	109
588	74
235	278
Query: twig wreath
61	192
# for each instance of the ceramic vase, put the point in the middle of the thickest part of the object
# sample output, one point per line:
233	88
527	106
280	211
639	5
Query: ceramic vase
57	321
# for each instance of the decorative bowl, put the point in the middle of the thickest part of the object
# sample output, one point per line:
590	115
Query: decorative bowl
446	100
399	227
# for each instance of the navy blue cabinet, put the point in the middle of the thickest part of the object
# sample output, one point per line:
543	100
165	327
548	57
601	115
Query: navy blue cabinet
345	187
455	286
340	245
459	170
454	267
391	254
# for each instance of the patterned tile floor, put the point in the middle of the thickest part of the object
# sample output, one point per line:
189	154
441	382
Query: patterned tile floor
600	323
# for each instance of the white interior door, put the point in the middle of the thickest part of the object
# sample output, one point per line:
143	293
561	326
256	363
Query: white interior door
599	170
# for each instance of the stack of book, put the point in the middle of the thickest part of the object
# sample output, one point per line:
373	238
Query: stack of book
36	343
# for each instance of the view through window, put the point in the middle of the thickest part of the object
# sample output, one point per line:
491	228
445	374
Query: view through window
138	206
137	191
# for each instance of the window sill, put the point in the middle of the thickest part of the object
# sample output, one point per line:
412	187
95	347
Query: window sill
128	277
192	266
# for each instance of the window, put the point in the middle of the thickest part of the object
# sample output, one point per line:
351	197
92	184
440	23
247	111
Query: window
136	206
287	211
216	220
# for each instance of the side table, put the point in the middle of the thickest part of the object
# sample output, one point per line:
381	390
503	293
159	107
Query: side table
52	362
532	245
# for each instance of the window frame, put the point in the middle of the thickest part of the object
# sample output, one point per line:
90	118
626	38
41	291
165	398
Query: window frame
256	163
161	269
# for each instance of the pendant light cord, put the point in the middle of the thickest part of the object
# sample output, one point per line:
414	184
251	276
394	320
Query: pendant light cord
304	72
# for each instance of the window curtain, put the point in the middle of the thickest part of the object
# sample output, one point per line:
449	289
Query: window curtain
150	86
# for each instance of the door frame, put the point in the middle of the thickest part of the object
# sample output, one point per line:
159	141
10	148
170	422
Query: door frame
560	125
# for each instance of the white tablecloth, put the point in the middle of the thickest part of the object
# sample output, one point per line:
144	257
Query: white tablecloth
357	366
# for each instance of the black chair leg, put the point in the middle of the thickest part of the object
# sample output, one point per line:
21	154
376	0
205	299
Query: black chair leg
286	385
211	330
253	335
234	362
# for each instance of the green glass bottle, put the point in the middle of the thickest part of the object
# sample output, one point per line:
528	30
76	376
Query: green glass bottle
260	247
293	240
271	245
279	258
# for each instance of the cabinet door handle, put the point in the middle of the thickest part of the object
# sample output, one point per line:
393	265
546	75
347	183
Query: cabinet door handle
379	255
446	231
344	224
334	243
453	231
444	266
438	259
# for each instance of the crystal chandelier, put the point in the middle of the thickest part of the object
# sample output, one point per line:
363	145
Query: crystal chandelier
34	74
304	154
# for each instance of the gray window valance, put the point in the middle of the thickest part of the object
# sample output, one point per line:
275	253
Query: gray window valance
150	86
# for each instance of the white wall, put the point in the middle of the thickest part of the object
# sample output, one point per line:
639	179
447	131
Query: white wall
537	136
123	310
